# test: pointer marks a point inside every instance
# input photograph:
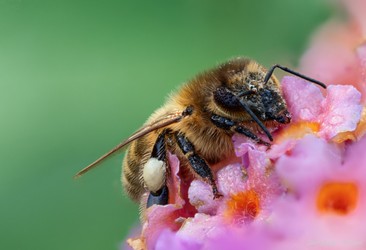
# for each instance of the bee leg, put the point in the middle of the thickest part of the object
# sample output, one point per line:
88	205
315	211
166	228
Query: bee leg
229	124
158	198
197	163
154	173
244	131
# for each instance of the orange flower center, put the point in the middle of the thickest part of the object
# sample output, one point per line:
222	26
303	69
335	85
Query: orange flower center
297	130
337	198
243	206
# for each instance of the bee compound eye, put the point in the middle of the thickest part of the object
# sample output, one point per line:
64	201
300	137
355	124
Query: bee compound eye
226	99
154	174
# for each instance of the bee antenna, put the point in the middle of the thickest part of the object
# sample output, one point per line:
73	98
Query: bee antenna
255	118
270	72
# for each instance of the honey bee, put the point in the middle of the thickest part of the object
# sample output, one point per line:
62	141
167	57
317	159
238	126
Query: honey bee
197	124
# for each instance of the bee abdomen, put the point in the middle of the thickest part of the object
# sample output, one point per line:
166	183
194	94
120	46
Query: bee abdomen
131	176
133	165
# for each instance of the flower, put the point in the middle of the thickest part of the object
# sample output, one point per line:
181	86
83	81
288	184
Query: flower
339	111
329	213
309	190
337	52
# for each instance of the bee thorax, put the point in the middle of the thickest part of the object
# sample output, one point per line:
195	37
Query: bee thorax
154	174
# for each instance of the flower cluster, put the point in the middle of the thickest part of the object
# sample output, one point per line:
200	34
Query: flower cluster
309	190
337	52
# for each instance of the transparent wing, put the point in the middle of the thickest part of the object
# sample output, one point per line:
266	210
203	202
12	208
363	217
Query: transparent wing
160	123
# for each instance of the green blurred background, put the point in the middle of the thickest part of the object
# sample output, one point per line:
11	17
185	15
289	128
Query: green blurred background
77	77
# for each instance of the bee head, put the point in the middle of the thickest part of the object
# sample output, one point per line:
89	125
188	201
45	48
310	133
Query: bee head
271	103
243	88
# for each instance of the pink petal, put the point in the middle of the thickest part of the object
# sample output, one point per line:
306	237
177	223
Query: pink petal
355	158
341	110
243	238
311	161
255	177
244	147
202	228
257	161
264	181
361	53
278	150
331	56
241	144
155	225
357	10
303	98
170	240
201	196
231	179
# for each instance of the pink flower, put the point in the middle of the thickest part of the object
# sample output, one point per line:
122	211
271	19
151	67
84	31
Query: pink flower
339	111
337	53
247	188
324	208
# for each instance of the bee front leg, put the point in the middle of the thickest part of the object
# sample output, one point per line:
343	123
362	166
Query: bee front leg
197	163
228	124
154	173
